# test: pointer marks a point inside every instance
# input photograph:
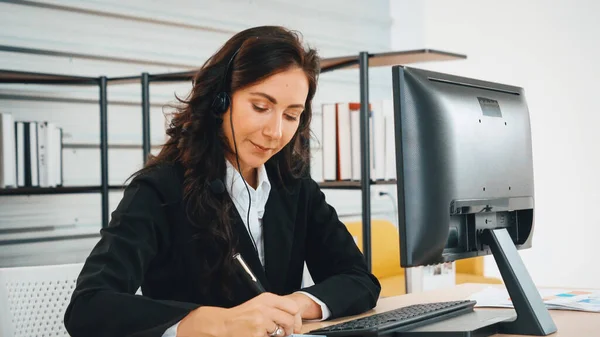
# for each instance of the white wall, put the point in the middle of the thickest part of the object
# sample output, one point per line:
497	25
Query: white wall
551	49
118	38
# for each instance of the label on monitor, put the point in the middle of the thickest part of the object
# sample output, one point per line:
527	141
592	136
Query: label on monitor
489	107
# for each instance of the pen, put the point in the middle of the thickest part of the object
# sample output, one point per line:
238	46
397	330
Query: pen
248	275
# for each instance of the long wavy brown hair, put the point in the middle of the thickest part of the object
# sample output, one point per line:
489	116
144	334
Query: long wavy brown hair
197	142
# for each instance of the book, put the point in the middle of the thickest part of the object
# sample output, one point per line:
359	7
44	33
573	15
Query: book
554	299
377	134
340	123
329	146
390	140
43	154
344	141
30	154
8	169
20	153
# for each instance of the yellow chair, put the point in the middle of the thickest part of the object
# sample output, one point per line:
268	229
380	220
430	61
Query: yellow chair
385	259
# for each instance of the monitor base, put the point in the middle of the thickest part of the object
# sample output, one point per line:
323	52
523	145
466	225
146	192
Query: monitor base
532	316
479	323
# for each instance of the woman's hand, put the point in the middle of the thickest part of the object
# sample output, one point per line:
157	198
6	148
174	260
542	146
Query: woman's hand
255	318
309	309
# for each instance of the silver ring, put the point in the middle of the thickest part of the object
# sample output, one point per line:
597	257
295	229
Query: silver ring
279	332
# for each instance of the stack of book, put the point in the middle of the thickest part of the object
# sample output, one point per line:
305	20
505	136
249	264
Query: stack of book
30	153
341	141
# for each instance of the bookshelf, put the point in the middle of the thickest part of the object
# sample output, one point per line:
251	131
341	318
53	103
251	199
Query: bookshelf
363	61
21	77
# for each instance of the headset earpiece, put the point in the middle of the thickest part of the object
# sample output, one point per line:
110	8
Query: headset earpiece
220	103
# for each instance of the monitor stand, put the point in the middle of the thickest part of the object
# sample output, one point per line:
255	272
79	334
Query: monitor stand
532	317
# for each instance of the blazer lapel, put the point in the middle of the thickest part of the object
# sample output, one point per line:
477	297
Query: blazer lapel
278	231
246	249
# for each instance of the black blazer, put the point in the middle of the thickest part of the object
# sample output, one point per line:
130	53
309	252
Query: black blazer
148	244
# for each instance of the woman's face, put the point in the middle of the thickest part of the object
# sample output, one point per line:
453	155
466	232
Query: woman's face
265	116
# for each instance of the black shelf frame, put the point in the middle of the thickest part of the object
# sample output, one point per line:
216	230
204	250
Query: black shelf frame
352	184
363	61
22	77
49	239
56	190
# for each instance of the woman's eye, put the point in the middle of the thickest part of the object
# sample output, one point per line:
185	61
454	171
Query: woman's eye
291	118
259	109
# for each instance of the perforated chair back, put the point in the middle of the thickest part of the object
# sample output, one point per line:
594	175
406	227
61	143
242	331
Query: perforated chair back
33	300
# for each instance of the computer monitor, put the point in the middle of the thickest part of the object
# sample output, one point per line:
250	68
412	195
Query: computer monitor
465	180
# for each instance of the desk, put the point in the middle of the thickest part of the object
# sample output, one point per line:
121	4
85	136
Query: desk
568	323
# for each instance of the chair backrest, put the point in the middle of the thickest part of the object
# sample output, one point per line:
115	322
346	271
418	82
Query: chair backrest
385	246
33	300
471	266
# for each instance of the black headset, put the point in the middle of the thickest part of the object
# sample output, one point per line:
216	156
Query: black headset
222	100
219	106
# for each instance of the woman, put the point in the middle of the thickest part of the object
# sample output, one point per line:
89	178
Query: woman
189	211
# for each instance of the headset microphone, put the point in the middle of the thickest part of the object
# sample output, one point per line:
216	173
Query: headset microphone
217	186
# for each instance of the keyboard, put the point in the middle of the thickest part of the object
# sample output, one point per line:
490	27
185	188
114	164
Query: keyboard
401	319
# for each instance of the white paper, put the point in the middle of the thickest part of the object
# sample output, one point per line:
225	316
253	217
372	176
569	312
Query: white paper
557	299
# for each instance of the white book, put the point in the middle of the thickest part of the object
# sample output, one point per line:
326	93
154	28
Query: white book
329	142
390	140
378	141
356	142
355	131
58	147
42	142
20	140
344	140
372	144
8	171
51	153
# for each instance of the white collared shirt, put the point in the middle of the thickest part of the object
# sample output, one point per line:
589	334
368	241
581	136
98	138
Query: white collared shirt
234	185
